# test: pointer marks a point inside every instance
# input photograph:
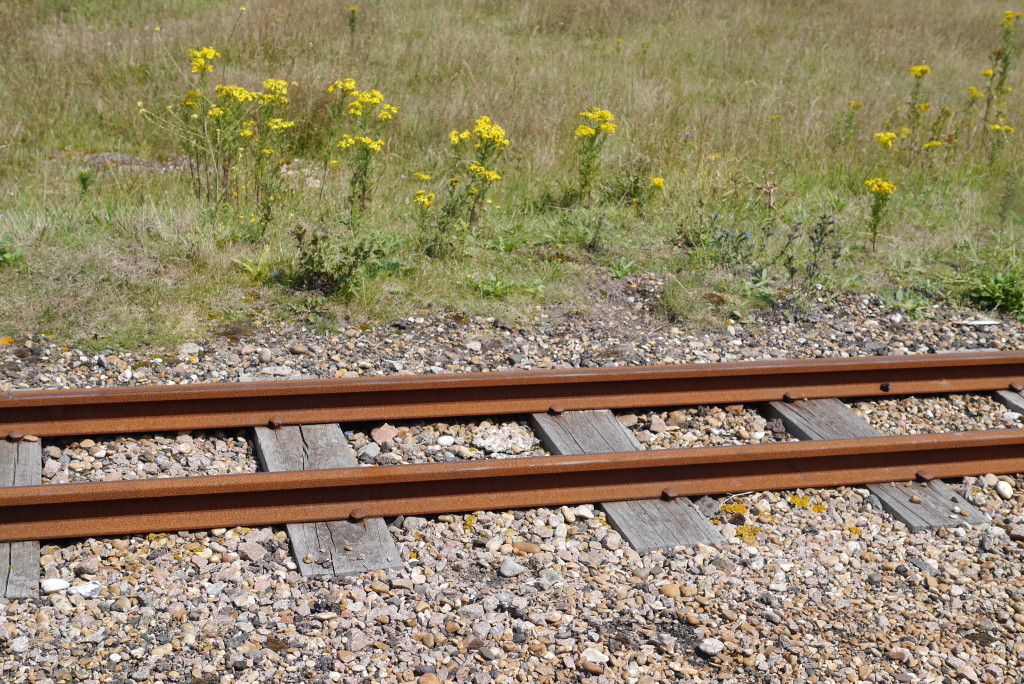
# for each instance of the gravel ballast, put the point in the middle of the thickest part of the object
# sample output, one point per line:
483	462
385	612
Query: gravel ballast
810	586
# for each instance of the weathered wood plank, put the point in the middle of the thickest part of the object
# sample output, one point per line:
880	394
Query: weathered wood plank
335	547
832	419
20	466
647	525
1014	401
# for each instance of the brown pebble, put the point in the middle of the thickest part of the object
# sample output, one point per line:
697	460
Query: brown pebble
452	627
915	499
670	590
526	547
592	667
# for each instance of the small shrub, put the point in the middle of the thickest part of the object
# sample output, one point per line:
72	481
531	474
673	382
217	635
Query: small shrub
1000	290
8	254
328	263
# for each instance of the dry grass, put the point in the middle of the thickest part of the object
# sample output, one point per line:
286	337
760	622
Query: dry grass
760	84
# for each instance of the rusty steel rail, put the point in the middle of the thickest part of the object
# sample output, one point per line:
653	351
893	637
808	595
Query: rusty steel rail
48	413
131	507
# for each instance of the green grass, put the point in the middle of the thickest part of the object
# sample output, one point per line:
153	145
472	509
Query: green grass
761	90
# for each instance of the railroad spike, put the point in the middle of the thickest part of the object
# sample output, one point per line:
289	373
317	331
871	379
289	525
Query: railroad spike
274	424
925	475
886	387
788	398
556	410
670	494
1016	387
357	515
15	436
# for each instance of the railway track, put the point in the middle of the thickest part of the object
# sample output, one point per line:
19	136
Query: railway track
570	409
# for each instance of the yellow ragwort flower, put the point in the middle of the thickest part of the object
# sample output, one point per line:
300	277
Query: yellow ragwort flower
585	131
974	93
923	107
346	86
885	139
657	182
200	59
421	176
279	124
988	73
457	138
931	144
598	115
424	199
489	176
880	187
921	70
346	141
855	105
489	132
236	93
216	112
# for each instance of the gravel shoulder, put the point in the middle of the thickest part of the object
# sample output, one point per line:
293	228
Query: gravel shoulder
810	586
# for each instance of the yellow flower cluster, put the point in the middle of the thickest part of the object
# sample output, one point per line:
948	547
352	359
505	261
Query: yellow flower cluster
346	86
235	93
855	105
584	131
988	73
216	112
931	144
974	93
348	141
424	200
279	124
276	92
598	115
489	176
248	128
879	187
1010	19
191	99
201	59
490	132
360	99
885	139
1000	127
657	182
457	138
923	107
921	70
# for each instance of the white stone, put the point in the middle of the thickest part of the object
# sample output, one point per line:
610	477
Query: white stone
584	511
509	568
48	586
1004	490
594	656
711	647
88	590
445	440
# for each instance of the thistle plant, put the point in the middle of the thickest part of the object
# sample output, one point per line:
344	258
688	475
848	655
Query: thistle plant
881	191
369	116
469	178
591	137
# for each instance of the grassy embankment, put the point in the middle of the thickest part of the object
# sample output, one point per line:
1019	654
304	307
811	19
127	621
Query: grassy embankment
744	111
